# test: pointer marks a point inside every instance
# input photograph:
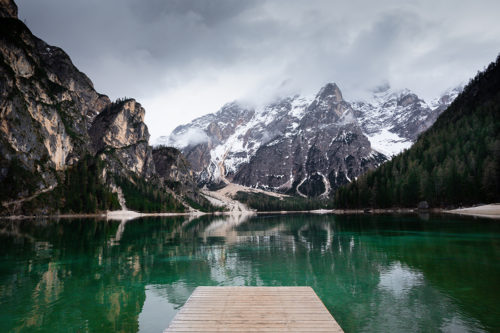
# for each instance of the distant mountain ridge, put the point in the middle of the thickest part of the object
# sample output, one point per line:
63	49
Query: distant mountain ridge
304	145
392	120
455	162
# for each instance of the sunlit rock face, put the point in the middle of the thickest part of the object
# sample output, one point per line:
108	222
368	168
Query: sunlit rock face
305	145
51	116
47	105
121	136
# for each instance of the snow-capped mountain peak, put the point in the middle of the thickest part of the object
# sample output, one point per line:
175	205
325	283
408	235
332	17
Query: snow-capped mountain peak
306	145
447	97
393	119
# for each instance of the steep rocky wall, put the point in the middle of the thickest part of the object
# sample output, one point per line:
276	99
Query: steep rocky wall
171	164
54	124
175	172
121	137
327	150
46	107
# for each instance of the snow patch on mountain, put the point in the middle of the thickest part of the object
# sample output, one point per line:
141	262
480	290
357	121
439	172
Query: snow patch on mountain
393	119
447	97
239	147
388	143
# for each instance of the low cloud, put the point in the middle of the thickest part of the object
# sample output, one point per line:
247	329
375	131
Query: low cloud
190	137
186	58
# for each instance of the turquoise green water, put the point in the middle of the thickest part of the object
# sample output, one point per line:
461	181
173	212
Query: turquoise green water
374	273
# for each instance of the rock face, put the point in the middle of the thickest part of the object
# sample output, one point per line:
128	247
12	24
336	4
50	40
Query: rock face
175	172
121	137
46	108
326	149
172	165
51	118
209	133
304	145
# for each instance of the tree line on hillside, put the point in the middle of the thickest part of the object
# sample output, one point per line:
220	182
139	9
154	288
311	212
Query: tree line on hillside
83	191
267	203
147	197
203	205
80	189
456	162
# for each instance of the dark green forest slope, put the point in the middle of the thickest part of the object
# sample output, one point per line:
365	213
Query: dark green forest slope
266	203
456	162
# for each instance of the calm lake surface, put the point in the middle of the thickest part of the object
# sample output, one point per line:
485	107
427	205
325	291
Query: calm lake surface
374	273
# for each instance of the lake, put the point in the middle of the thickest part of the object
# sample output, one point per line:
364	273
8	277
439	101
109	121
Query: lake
373	273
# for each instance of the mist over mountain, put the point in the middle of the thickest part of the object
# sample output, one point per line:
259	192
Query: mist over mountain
57	129
183	59
305	145
455	162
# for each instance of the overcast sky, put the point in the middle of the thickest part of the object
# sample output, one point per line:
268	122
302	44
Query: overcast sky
185	58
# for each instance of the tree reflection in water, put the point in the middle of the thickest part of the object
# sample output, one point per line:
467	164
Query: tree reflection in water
374	273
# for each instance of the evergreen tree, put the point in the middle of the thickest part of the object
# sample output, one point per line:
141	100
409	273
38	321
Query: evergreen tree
455	162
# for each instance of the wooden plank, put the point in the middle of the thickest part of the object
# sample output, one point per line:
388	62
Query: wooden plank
254	309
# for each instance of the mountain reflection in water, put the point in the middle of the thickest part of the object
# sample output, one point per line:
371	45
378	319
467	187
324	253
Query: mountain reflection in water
374	273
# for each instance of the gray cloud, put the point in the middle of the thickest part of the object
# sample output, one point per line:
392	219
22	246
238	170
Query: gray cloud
185	58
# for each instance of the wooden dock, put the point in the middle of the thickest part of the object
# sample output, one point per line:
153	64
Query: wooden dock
254	309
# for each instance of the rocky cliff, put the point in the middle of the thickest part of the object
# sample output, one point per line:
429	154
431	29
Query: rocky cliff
175	173
173	166
46	108
326	149
393	119
63	145
120	136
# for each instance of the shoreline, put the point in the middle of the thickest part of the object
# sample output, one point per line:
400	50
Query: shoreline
491	211
121	215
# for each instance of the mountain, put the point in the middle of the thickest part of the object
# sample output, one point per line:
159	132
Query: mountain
176	175
455	162
393	119
63	146
304	145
